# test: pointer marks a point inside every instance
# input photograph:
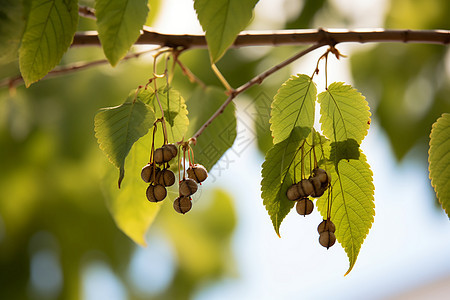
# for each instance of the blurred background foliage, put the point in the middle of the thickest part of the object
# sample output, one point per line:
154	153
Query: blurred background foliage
55	230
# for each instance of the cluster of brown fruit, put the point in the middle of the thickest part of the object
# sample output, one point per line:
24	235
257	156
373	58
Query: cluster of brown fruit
161	177
188	186
315	186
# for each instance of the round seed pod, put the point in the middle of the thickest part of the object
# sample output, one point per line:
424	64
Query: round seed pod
172	149
182	204
187	187
326	225
292	192
327	239
197	172
147	172
304	206
318	190
323	176
156	193
165	153
165	177
305	188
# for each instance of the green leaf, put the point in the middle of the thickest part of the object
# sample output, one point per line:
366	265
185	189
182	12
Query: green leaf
439	160
344	112
119	23
352	208
129	207
275	176
131	210
175	112
12	24
219	136
118	128
222	20
48	34
293	106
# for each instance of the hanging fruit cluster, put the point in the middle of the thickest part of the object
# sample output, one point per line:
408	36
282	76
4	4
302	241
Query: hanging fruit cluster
188	186
158	174
314	186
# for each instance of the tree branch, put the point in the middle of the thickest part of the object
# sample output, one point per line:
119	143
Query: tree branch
283	37
256	80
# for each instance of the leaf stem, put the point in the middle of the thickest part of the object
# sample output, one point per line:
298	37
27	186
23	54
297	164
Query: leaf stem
222	79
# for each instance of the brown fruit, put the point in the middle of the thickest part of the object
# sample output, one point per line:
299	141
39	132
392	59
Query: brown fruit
304	206
182	204
326	225
318	189
156	193
305	188
292	193
187	187
165	177
324	177
327	239
165	153
147	172
198	173
172	149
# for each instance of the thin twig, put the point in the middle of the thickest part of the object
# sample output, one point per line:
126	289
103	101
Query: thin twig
283	37
256	80
14	81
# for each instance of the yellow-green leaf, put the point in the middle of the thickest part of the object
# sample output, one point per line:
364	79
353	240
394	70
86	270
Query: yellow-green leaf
276	178
119	23
344	113
118	128
222	20
293	106
439	160
131	210
352	208
129	207
48	34
175	112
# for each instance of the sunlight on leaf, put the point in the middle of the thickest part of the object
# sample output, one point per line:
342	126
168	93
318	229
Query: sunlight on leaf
118	128
439	160
48	34
129	207
275	176
344	113
353	208
293	106
119	23
222	20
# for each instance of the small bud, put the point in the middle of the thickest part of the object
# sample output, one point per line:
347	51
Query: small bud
182	204
304	206
187	187
156	193
197	172
327	239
